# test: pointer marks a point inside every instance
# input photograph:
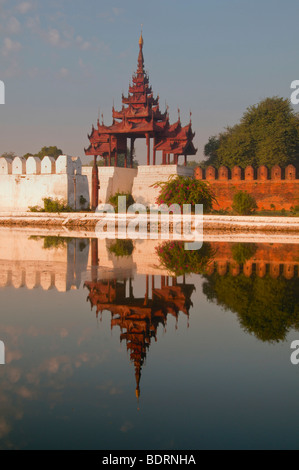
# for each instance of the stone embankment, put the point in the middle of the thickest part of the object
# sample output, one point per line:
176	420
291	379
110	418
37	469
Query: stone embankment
211	223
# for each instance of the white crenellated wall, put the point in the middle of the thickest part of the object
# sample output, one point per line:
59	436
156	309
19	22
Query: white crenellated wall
24	183
5	166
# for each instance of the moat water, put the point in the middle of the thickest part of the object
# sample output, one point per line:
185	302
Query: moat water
141	345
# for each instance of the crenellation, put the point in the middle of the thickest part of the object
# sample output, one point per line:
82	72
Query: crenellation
77	165
249	173
262	173
65	165
199	173
272	189
290	173
276	173
48	166
237	173
5	166
19	166
33	166
223	173
25	183
211	173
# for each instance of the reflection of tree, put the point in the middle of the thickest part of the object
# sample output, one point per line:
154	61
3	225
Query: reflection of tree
122	248
176	259
266	307
242	252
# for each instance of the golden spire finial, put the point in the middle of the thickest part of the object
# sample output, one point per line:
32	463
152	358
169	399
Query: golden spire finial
141	38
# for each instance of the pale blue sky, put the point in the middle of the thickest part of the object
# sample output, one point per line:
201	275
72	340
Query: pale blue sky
63	60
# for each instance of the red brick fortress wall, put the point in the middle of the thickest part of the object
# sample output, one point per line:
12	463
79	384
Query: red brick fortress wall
273	189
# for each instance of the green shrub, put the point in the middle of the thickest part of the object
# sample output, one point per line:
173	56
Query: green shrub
122	248
113	200
181	190
52	205
244	203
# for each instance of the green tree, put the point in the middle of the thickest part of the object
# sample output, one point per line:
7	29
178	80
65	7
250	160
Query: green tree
268	134
8	155
210	151
52	151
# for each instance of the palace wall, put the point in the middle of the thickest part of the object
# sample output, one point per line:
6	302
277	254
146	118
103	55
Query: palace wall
143	190
112	180
137	181
276	189
24	183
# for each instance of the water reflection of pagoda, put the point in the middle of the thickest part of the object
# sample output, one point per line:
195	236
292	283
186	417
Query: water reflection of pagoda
139	317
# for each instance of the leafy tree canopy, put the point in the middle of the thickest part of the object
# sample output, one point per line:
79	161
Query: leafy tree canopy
268	134
8	155
51	151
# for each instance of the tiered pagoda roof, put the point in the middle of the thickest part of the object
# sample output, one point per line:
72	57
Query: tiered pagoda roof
140	117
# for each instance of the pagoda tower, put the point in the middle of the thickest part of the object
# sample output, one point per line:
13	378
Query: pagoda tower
140	117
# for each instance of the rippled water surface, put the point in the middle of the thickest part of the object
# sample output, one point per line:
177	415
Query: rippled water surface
142	345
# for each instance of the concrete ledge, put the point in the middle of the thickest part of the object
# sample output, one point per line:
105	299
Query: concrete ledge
211	223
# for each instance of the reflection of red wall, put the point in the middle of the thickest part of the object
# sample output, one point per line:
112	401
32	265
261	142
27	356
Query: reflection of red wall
279	188
273	258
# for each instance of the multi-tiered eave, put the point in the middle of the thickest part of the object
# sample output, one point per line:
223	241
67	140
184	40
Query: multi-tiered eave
141	117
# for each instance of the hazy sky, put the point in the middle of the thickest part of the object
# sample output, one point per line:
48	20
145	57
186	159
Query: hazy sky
63	60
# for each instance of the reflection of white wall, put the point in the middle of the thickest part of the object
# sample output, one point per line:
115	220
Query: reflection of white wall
17	278
24	262
47	280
